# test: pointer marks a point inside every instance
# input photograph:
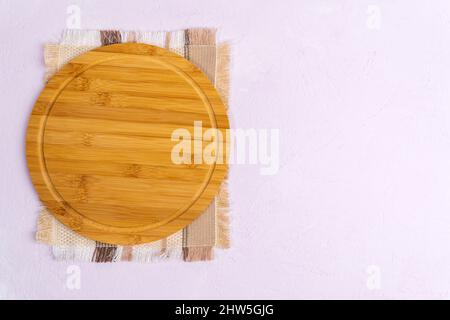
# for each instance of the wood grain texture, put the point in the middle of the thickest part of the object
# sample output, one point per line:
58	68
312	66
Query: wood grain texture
99	143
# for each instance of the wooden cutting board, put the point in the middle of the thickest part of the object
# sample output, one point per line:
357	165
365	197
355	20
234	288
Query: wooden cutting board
99	143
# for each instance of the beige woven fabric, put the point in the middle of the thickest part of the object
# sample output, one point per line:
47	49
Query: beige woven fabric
195	242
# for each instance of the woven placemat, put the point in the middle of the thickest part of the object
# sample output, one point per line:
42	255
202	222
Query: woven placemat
197	241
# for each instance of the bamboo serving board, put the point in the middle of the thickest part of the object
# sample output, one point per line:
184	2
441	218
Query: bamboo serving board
99	143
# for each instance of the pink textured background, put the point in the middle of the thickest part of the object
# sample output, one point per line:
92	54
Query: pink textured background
364	119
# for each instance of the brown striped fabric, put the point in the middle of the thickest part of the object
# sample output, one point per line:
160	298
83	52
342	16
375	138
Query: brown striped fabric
199	237
110	37
200	36
204	57
200	49
167	41
104	252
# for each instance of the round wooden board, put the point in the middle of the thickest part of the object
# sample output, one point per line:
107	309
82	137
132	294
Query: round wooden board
99	143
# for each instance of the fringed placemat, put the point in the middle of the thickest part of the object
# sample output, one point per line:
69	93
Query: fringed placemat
210	230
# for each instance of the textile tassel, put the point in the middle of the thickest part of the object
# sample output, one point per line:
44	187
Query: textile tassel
222	80
81	37
201	36
104	252
223	217
51	53
127	253
44	233
170	253
109	37
194	254
222	199
72	253
145	255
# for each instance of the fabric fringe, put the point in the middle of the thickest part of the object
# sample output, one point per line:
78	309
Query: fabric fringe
223	216
195	254
127	253
106	253
155	254
201	36
78	37
77	253
156	38
51	54
44	233
222	199
176	39
86	254
223	71
72	253
109	37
